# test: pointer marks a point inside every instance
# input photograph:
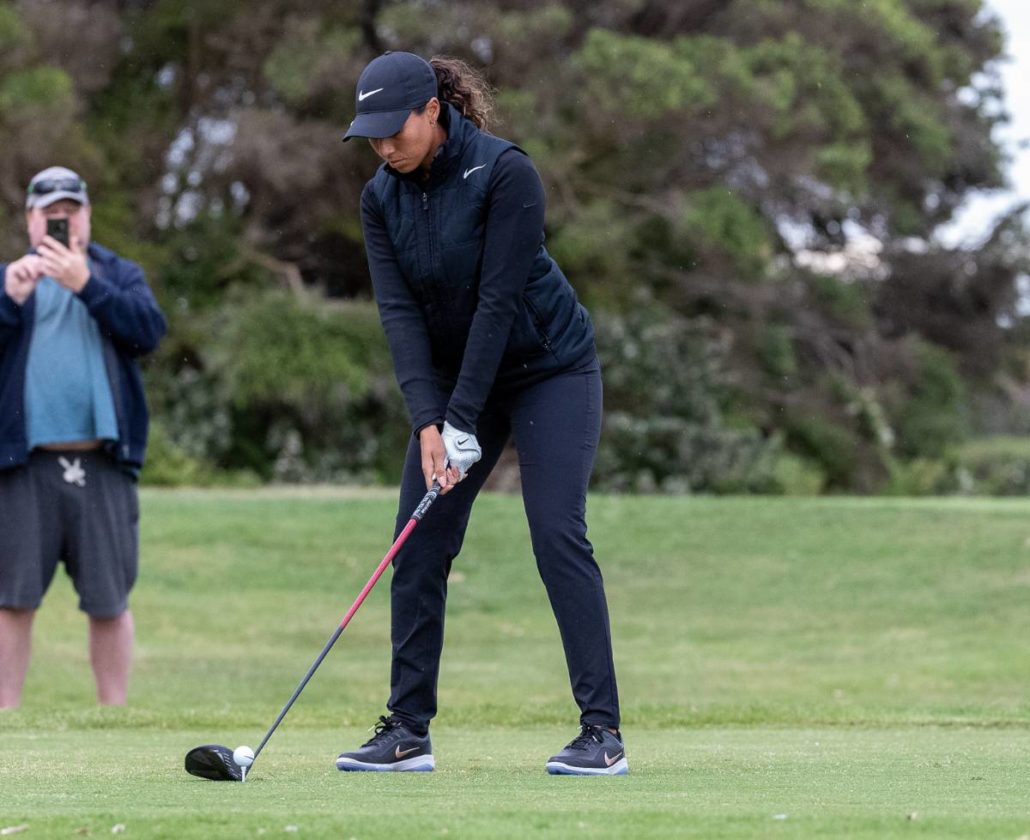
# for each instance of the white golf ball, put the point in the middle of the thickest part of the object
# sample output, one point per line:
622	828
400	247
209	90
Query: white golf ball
243	756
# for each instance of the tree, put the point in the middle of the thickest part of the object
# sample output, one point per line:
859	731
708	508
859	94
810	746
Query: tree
766	176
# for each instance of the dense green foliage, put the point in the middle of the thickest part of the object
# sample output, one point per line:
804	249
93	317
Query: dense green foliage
747	189
788	668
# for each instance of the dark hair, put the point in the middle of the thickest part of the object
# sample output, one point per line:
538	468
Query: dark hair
465	88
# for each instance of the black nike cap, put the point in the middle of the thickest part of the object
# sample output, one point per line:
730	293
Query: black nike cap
389	89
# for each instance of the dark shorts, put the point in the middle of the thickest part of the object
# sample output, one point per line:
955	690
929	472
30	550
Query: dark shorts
78	508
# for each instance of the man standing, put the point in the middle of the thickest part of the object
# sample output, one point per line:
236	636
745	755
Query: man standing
74	317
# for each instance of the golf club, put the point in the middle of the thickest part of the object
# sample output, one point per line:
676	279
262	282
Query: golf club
215	761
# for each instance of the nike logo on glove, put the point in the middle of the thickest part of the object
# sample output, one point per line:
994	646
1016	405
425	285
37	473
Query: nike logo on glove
362	96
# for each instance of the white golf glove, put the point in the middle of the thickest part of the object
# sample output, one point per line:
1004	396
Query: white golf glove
462	449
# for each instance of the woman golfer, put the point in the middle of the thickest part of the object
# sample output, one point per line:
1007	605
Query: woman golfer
488	341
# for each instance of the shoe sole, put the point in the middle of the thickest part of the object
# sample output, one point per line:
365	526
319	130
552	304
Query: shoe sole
418	764
558	768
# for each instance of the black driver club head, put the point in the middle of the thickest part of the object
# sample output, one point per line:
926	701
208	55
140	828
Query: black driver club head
213	761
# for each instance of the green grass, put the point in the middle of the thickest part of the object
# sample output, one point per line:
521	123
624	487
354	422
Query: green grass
788	668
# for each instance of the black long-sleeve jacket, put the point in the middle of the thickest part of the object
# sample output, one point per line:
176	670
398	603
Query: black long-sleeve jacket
468	295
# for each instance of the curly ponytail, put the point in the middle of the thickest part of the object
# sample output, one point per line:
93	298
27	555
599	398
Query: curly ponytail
465	88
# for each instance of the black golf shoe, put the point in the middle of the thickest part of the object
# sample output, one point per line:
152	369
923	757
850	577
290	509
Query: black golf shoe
596	751
393	747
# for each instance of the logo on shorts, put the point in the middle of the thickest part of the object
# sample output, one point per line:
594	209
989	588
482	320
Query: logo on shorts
73	471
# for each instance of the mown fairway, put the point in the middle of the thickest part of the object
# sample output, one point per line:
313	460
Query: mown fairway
788	668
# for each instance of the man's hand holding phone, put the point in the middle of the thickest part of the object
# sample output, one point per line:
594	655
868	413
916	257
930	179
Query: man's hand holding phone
21	278
67	265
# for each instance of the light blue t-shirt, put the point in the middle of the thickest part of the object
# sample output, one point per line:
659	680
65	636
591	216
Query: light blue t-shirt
67	393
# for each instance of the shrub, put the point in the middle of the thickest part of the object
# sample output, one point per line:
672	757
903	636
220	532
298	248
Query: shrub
833	446
170	466
288	388
997	466
929	413
923	477
665	392
793	475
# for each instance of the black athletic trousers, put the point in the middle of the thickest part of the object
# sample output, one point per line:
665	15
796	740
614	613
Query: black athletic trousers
556	425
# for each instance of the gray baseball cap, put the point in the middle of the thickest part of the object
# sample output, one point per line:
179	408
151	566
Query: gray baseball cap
389	89
53	184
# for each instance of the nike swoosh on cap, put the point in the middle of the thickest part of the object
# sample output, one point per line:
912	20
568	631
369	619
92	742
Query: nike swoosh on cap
473	169
362	96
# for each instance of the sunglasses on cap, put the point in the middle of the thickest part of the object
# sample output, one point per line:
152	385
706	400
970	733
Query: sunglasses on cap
49	185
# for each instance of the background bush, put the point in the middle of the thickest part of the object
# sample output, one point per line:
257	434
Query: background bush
757	240
290	389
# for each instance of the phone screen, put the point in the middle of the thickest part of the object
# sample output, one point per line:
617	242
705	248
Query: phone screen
58	229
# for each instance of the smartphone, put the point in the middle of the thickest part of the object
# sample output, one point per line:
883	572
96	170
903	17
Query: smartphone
58	228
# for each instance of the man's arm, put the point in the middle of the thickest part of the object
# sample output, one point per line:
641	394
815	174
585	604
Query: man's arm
127	312
10	314
17	283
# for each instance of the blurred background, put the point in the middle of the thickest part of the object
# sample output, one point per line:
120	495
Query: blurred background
798	225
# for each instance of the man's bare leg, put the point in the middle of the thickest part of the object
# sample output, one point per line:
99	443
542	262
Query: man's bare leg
15	650
110	652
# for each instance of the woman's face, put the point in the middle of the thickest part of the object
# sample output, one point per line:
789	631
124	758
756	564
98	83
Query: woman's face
415	144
